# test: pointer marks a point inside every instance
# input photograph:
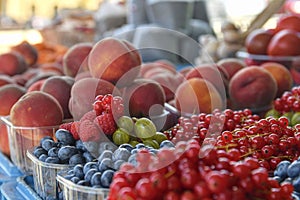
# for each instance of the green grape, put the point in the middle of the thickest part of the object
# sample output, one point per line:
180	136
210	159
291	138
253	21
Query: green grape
159	137
272	113
126	123
151	143
144	128
121	136
295	119
133	142
289	116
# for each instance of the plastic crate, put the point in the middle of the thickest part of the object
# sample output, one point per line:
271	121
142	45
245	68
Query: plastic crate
21	188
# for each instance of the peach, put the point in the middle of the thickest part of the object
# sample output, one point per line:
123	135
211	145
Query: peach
229	66
5	79
197	95
60	88
36	86
12	63
114	60
252	87
28	51
39	76
169	83
83	94
143	98
210	73
52	67
151	68
36	109
75	58
282	76
9	95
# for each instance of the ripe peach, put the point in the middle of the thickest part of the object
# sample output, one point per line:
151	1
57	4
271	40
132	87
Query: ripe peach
151	68
36	109
144	97
75	58
229	66
5	79
169	83
36	86
197	95
60	88
252	87
12	63
28	51
52	67
210	73
83	94
114	60
282	76
9	95
39	76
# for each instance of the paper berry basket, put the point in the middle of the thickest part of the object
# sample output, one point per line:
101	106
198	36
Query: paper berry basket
22	139
73	191
44	176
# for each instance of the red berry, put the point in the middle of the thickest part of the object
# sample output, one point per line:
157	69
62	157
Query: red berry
107	123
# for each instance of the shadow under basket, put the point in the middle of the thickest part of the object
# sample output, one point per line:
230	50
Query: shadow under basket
22	139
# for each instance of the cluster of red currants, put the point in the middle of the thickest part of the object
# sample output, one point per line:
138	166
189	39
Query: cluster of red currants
192	172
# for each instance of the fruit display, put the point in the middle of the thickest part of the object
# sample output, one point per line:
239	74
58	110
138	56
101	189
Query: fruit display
120	128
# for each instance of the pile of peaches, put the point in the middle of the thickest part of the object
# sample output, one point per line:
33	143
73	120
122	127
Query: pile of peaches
43	85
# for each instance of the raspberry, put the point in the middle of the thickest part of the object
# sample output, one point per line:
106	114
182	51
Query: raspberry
108	104
88	131
66	126
74	130
91	115
107	123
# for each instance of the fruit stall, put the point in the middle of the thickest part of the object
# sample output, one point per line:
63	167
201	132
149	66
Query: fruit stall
214	117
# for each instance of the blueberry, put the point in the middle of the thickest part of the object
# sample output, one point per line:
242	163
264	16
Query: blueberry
89	165
96	179
278	179
69	176
105	164
106	146
281	169
75	179
106	178
77	159
134	151
132	159
54	160
89	174
91	146
140	146
293	169
121	154
296	184
43	157
45	138
38	151
70	172
117	164
88	156
83	183
105	154
65	137
78	171
127	146
166	144
79	145
53	152
154	151
66	152
48	144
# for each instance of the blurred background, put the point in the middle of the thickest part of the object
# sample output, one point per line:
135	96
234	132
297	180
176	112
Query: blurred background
71	21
